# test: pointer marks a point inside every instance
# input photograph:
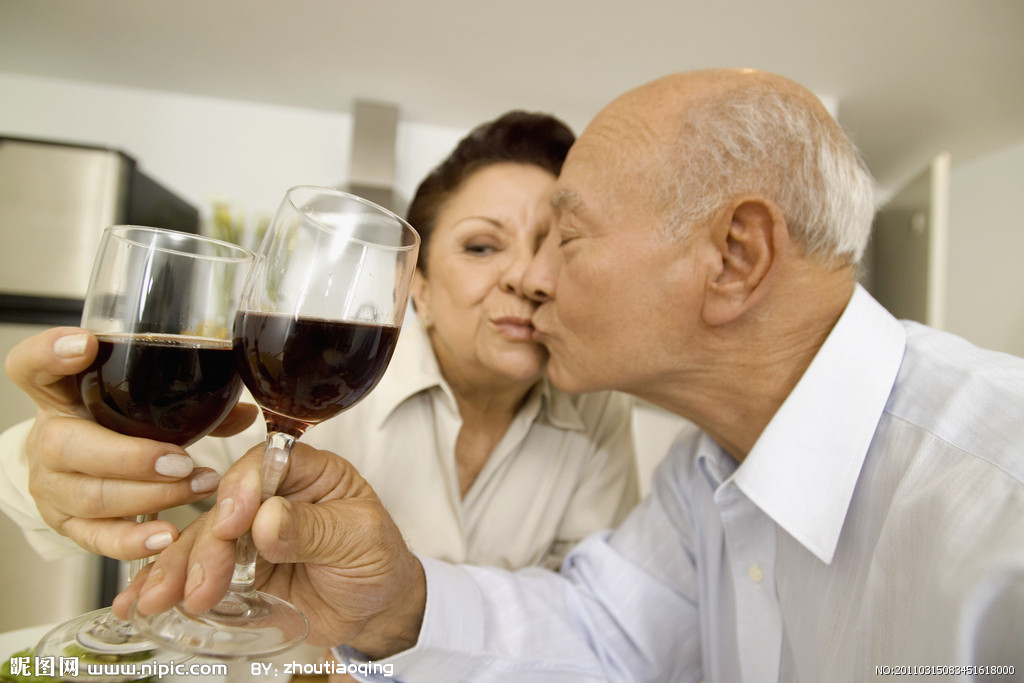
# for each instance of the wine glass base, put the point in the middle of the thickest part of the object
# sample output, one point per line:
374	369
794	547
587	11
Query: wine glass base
243	625
117	651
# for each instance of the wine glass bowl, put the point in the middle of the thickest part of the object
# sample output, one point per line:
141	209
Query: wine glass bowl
161	304
315	330
298	388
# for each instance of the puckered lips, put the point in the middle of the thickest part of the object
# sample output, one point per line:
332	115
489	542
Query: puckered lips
539	333
514	327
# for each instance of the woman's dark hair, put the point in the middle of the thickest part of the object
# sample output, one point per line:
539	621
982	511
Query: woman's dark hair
516	137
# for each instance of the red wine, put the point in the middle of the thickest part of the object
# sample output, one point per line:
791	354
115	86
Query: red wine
170	388
306	370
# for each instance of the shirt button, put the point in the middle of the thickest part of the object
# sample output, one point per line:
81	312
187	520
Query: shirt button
755	573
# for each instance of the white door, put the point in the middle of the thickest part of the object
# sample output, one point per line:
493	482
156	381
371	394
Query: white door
905	265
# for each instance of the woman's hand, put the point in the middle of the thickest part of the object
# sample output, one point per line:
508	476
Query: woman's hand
339	557
87	479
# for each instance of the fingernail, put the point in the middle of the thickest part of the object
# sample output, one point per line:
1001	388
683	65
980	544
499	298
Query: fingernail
70	346
195	577
159	541
173	465
204	482
224	509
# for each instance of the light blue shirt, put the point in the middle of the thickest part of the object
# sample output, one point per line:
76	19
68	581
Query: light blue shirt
877	522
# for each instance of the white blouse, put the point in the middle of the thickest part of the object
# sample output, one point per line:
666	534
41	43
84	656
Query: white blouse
565	467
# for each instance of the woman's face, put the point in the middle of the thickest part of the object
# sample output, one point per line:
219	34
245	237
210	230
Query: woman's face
484	238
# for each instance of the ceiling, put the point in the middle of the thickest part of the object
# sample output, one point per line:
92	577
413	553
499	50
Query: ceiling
910	78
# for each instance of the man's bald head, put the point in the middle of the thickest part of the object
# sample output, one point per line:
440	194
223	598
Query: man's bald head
699	138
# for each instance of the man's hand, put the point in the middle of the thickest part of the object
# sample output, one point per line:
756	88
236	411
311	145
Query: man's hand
86	479
338	555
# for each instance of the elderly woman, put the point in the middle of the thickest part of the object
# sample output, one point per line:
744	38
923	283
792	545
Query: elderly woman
476	455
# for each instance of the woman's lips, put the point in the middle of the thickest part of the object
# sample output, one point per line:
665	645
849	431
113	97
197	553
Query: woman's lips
515	328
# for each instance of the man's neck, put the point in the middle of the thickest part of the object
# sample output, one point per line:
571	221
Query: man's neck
750	366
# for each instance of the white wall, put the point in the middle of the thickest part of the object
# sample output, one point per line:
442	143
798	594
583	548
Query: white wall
986	242
201	148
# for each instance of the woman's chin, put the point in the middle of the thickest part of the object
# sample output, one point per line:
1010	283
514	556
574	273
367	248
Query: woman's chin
522	365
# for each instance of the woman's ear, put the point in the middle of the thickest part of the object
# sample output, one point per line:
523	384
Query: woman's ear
748	236
418	294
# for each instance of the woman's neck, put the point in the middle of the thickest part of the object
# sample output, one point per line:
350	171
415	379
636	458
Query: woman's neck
486	412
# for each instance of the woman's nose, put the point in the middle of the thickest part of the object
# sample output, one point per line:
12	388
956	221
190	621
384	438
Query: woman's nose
538	280
512	275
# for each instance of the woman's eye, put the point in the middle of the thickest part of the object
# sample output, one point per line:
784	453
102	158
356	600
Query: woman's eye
480	248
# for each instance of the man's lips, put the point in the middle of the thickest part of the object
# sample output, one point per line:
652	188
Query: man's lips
514	327
539	332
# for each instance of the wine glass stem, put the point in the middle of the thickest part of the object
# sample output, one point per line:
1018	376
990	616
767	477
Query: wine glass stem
110	628
275	465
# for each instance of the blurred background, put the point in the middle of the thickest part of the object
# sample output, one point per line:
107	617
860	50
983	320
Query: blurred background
218	107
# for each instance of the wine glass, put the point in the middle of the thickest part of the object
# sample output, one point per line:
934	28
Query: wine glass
318	323
161	304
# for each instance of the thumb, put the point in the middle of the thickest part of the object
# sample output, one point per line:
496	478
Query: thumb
44	365
338	532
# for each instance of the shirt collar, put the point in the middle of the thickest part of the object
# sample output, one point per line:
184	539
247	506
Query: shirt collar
803	468
414	369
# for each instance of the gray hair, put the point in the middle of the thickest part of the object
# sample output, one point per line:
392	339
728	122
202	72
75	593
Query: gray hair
769	142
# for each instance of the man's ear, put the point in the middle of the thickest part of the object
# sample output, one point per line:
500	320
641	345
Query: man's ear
748	235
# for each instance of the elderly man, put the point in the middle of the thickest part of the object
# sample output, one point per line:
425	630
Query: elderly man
853	504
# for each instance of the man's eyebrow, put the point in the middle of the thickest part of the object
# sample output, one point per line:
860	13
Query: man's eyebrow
565	201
